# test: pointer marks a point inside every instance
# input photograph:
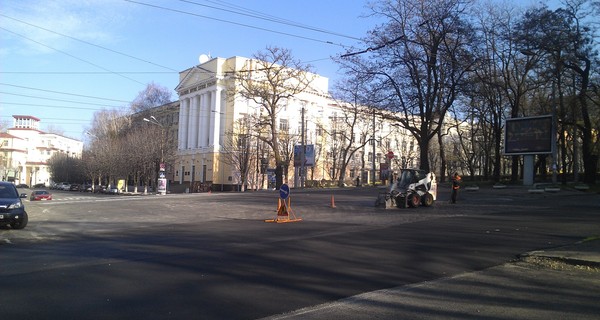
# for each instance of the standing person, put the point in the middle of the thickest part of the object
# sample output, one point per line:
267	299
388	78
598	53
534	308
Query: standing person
455	186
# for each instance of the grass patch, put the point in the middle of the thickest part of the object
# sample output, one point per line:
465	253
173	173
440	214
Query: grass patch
591	238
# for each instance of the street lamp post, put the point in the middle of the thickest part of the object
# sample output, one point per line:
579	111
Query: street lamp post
162	181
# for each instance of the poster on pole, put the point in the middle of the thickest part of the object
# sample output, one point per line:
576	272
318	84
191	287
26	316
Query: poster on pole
162	186
309	155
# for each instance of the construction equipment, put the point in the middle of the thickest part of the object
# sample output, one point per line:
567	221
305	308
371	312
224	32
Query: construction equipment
413	188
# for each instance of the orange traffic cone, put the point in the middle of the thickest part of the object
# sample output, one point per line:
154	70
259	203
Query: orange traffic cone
332	201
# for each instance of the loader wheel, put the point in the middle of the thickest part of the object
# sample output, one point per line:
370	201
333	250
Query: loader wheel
400	201
414	200
427	200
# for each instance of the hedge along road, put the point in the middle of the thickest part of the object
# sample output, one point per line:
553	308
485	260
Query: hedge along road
212	256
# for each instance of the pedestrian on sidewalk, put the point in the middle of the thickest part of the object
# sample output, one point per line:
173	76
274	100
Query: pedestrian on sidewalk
456	179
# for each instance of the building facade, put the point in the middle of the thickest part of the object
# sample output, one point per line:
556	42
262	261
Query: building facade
210	112
25	151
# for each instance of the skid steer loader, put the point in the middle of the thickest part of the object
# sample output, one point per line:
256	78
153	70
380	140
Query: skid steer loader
413	188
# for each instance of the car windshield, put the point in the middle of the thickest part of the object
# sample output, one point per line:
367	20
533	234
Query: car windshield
41	192
8	192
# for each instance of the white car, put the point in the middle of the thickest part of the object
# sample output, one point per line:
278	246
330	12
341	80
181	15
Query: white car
63	186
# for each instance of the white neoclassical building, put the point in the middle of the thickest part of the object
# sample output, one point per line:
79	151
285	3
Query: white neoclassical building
208	113
25	151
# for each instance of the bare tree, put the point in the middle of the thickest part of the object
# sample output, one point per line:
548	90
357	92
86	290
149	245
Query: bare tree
497	85
349	130
153	96
418	61
142	164
565	43
271	80
108	129
238	149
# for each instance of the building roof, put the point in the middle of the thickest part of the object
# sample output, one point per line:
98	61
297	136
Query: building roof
26	117
8	136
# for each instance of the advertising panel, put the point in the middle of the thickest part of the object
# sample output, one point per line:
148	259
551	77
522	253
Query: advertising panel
529	135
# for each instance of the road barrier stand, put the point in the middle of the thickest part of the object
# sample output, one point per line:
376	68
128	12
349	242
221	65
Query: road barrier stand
284	208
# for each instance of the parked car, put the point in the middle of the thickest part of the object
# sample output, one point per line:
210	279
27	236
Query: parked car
99	188
74	187
39	185
56	185
64	186
40	195
12	209
22	186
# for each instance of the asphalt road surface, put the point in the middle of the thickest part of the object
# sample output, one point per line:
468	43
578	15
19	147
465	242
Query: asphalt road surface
212	256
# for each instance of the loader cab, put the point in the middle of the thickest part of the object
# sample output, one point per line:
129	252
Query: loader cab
409	176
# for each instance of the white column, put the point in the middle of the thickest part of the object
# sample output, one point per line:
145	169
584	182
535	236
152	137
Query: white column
197	117
206	119
180	174
204	111
222	113
193	132
215	119
190	119
183	123
180	126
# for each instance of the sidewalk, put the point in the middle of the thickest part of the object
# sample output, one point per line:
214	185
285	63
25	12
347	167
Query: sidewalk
562	283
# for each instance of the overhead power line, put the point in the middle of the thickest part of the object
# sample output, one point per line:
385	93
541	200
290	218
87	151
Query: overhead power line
52	99
70	120
234	23
385	44
86	42
86	72
270	18
47	106
59	92
70	55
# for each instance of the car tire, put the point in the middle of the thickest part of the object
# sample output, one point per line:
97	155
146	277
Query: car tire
20	224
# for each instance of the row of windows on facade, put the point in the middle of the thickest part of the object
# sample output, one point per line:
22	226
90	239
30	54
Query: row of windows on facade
26	123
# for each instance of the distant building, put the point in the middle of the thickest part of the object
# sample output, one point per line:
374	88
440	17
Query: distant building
25	151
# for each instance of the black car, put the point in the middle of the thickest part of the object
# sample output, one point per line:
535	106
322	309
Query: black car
12	209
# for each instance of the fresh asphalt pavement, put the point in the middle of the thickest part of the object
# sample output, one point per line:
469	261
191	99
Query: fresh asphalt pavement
212	256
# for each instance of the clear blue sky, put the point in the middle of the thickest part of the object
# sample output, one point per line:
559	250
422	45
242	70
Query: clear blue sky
62	60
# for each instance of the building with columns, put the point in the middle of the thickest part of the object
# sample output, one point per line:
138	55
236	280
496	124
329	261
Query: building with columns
25	151
209	111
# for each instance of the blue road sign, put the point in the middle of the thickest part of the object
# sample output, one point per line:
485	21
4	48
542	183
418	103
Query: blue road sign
284	191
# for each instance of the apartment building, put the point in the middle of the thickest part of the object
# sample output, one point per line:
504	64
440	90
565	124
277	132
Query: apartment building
25	150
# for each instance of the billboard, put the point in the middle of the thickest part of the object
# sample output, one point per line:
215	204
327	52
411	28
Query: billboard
529	135
309	155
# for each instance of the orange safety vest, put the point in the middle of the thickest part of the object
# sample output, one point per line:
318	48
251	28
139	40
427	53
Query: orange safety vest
455	183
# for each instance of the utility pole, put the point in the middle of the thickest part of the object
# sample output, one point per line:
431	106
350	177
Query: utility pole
303	152
374	141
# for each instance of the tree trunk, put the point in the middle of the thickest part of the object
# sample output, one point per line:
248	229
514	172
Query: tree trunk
442	157
278	176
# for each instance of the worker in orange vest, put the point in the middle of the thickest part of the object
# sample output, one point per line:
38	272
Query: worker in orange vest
455	186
